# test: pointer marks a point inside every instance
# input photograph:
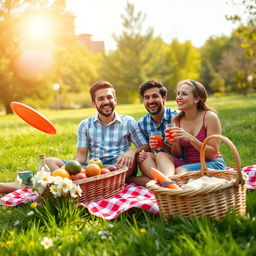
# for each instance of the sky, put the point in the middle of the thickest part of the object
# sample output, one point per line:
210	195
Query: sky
193	20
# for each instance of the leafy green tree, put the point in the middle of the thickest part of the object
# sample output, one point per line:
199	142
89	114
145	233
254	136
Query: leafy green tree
182	62
139	57
218	83
28	68
235	67
247	25
211	54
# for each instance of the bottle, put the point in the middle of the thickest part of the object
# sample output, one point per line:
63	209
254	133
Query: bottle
42	166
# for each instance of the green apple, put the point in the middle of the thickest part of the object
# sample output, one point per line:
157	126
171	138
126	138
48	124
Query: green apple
95	161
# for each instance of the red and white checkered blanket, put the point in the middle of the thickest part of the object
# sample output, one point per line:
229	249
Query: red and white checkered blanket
131	196
251	172
18	197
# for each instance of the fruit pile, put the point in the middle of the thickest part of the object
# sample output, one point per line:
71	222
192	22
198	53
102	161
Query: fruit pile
74	171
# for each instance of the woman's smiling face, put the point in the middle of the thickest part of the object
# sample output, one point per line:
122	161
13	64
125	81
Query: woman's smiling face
185	98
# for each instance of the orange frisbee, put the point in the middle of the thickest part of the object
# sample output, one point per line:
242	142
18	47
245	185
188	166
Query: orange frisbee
33	117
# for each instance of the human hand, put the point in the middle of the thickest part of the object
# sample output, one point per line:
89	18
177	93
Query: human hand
155	140
127	158
142	156
179	133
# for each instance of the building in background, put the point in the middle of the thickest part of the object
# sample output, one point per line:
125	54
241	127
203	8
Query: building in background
95	46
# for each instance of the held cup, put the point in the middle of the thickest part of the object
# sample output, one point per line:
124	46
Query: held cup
169	130
156	135
26	177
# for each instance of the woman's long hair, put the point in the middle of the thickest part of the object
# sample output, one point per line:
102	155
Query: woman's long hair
199	92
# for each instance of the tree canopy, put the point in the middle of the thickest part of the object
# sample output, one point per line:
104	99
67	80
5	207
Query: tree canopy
38	48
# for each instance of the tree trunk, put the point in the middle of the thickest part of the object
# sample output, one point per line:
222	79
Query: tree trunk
245	91
8	108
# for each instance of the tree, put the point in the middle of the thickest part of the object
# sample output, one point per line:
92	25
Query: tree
30	63
138	57
247	25
235	67
211	54
182	62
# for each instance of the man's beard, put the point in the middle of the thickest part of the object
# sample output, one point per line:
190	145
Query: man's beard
106	114
157	111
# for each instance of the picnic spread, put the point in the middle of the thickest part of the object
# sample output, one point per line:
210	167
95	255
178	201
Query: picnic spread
102	189
132	196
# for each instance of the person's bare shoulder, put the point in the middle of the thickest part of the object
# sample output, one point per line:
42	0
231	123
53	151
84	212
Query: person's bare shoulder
211	119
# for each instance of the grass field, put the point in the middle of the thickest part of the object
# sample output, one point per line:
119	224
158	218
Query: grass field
76	232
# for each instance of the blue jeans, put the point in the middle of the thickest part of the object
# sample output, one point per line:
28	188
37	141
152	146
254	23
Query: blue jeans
217	164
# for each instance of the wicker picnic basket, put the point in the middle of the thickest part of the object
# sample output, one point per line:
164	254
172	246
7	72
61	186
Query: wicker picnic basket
208	201
102	186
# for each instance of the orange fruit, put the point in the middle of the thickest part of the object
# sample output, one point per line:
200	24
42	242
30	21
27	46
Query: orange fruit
92	170
61	172
73	167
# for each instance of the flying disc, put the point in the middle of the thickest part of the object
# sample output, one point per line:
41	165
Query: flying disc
33	117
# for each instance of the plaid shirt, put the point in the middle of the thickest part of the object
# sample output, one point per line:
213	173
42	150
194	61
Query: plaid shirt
109	141
148	125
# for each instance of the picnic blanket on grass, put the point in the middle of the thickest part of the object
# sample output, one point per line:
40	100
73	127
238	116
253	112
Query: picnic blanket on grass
131	196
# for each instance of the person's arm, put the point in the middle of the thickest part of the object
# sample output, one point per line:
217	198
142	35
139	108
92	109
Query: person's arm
82	142
81	155
129	157
213	126
137	138
174	147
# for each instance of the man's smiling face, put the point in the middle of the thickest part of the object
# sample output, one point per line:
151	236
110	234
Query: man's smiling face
105	101
153	101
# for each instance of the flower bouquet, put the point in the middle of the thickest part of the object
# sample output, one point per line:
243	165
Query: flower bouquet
48	186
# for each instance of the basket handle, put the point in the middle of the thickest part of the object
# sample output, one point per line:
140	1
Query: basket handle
239	178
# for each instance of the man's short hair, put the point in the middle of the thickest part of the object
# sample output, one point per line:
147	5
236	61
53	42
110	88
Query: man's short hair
153	84
100	85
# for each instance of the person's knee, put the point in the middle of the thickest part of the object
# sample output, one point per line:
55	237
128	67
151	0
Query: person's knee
150	155
160	155
180	170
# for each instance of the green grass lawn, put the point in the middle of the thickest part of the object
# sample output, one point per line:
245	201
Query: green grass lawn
76	232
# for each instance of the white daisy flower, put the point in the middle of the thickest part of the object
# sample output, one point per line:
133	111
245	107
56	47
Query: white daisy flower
45	179
56	179
76	190
47	242
30	213
16	223
55	190
65	185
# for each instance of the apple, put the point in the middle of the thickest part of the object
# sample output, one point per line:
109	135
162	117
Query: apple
112	168
78	176
95	161
104	170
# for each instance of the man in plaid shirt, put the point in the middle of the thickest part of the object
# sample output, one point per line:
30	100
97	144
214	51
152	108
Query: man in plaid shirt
107	135
154	95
